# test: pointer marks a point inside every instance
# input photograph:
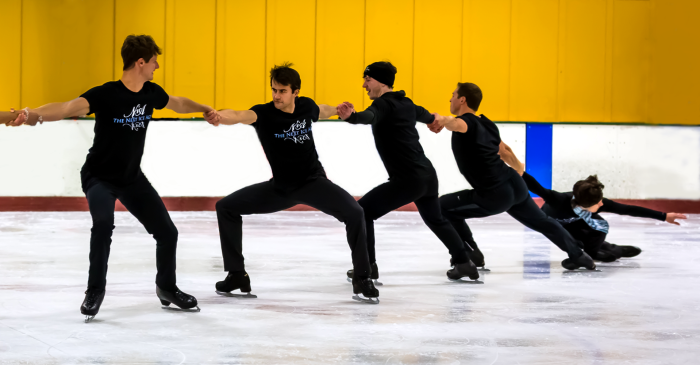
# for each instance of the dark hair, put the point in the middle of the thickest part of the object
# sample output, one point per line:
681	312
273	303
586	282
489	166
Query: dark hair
589	192
285	75
471	93
136	47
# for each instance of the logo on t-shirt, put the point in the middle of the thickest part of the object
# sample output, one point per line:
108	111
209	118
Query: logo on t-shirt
297	132
136	119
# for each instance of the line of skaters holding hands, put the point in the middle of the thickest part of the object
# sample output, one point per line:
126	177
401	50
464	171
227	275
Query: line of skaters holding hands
124	108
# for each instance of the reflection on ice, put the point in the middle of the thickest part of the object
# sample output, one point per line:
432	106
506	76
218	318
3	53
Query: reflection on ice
527	311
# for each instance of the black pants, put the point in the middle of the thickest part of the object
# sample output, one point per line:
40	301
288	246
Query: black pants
264	198
513	197
142	200
424	192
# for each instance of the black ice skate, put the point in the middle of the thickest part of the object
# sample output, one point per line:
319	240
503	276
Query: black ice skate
364	290
91	304
605	256
235	280
461	270
186	302
584	261
625	251
374	276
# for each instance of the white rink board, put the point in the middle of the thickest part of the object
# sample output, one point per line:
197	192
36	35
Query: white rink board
196	159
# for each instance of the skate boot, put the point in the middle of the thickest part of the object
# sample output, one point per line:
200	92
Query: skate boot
582	261
235	280
364	290
374	276
625	251
605	256
461	270
186	302
91	304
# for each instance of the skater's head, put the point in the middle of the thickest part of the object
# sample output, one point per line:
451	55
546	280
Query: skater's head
465	99
379	79
140	56
285	83
588	194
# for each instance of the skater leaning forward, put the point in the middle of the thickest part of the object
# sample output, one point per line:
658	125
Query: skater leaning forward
123	110
497	188
284	128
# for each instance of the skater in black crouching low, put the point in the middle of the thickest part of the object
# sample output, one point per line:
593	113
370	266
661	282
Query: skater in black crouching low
123	110
497	188
412	177
578	211
284	127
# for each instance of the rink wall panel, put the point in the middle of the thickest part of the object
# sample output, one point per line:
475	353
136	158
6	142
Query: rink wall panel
192	163
536	60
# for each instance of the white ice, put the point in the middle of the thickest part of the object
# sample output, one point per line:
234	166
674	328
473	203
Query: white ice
643	310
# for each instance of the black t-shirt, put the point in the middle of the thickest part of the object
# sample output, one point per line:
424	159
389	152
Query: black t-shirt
288	142
476	152
558	206
121	120
393	118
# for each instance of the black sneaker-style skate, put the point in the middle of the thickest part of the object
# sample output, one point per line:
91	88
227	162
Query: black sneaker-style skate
364	290
477	258
91	304
625	251
582	261
235	280
186	302
461	270
374	276
605	256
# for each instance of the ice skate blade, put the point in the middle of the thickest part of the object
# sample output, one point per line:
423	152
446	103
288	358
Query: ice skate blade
89	319
582	270
375	281
178	309
363	299
484	269
242	295
466	281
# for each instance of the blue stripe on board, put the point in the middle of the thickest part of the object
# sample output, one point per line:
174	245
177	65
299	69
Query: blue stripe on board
538	153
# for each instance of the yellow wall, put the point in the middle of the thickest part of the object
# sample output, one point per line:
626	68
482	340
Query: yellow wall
536	60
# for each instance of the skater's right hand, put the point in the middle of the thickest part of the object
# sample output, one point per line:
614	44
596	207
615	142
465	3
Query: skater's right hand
671	218
345	110
212	117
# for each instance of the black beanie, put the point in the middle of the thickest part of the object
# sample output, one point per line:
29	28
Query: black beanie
381	71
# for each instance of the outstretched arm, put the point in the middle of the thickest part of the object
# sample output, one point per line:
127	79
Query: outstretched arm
230	117
346	112
612	206
7	117
451	123
509	157
183	105
327	111
53	112
551	197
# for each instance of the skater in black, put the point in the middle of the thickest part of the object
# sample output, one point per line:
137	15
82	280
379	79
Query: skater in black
578	211
412	177
284	127
123	110
497	188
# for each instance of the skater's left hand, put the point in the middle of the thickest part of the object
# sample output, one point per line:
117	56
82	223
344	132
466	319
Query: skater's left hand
345	110
435	127
671	218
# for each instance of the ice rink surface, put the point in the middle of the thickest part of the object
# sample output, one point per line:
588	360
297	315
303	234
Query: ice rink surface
644	310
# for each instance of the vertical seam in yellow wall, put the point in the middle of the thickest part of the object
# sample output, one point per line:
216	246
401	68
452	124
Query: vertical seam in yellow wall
413	50
364	47
461	43
21	48
315	47
556	90
510	60
265	56
216	35
114	40
165	41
